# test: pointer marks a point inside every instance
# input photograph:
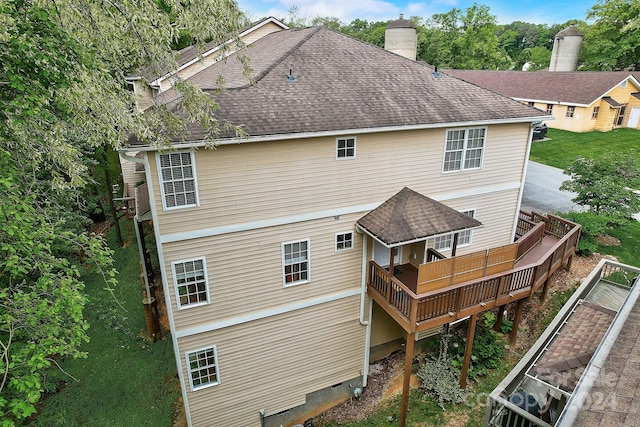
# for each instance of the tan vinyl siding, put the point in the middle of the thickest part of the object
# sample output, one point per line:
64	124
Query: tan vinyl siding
261	32
251	182
243	267
302	351
200	64
130	177
383	328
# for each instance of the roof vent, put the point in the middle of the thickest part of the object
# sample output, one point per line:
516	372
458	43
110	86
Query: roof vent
436	74
291	77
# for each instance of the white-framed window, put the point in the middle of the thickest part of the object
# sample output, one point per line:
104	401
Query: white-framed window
177	179
594	113
464	149
570	111
344	241
191	283
295	262
345	148
549	108
623	84
203	367
445	242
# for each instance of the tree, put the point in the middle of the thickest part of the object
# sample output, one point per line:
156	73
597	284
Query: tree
604	184
613	41
62	96
464	40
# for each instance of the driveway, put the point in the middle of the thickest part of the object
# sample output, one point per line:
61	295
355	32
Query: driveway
542	190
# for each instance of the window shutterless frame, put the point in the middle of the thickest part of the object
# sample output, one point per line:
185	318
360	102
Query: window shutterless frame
202	367
191	282
177	178
464	149
344	241
346	148
296	263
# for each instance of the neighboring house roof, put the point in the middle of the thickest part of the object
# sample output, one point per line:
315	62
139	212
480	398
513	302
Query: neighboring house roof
342	84
614	395
192	53
572	350
576	87
409	216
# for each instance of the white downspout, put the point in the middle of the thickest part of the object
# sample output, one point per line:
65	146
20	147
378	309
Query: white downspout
165	285
367	323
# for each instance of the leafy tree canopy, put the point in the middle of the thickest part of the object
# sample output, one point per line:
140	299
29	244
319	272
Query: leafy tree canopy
605	184
62	96
613	41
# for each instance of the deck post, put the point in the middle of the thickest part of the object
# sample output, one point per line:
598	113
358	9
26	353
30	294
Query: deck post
467	351
408	362
516	323
498	325
454	245
545	290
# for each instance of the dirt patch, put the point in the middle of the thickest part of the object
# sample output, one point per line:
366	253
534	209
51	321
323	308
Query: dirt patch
607	240
385	376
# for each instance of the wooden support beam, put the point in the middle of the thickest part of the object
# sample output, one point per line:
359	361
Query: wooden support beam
545	291
516	323
498	325
467	351
454	245
408	362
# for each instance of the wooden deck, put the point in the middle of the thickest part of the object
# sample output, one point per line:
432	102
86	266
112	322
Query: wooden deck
544	244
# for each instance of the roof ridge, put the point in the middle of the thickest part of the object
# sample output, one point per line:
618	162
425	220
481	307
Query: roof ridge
263	74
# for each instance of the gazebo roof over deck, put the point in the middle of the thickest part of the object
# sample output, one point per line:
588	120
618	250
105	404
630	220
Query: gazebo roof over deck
409	216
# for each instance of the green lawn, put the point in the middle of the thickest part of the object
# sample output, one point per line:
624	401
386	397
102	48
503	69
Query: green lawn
125	380
561	147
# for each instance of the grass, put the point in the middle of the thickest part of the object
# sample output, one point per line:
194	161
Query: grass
125	380
562	147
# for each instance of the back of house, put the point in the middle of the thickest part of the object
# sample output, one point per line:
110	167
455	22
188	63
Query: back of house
263	267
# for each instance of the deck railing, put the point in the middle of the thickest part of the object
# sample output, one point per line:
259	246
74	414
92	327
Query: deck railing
417	312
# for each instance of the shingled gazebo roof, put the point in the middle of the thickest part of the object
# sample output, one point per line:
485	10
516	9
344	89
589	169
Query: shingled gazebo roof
409	217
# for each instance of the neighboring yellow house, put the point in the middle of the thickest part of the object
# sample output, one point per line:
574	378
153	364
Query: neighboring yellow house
263	242
579	101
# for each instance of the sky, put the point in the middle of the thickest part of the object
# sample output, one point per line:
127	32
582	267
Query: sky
532	11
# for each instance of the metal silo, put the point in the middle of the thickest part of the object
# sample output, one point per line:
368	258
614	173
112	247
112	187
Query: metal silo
400	37
566	49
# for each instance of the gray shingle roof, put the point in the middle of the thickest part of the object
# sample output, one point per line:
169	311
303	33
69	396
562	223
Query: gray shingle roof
409	216
342	84
577	87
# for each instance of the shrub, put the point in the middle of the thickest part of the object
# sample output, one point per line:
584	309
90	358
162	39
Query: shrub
440	378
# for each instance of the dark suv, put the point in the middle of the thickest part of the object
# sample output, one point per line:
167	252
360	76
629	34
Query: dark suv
539	130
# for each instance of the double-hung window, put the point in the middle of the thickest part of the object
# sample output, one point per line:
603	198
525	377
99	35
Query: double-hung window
549	108
191	284
203	367
295	262
445	242
594	113
345	148
177	179
464	149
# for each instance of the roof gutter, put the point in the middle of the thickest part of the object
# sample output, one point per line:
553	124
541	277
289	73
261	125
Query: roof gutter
339	132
